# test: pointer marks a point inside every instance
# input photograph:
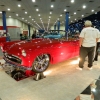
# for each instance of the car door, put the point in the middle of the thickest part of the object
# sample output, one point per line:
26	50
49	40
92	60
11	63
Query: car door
62	51
76	43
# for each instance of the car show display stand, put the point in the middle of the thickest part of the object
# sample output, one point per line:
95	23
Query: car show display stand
39	76
63	82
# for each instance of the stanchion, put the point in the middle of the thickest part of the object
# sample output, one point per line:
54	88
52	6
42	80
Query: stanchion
39	76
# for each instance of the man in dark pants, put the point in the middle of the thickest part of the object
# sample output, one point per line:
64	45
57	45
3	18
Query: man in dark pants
88	38
96	52
34	35
84	51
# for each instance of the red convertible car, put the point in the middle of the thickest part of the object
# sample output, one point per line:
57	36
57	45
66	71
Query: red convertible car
2	40
36	54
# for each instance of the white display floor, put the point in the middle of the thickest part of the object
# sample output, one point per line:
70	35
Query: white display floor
63	82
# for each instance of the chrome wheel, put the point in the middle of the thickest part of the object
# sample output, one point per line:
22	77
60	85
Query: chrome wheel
41	63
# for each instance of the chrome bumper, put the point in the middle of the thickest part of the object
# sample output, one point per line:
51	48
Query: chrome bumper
16	65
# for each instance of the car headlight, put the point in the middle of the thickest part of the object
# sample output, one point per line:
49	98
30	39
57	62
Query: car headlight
23	53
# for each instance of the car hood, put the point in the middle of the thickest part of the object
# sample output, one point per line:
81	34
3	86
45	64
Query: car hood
31	45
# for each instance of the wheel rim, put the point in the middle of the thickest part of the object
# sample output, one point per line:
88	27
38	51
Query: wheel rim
41	63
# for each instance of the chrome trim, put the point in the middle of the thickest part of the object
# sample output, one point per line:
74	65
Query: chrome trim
13	58
16	65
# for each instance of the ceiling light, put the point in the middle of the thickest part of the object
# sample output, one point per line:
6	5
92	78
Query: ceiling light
22	18
16	14
84	6
37	9
92	10
74	13
49	16
65	10
82	15
26	20
75	18
19	5
69	16
0	12
9	16
60	15
25	12
50	12
33	0
52	6
39	15
32	19
29	16
72	1
8	9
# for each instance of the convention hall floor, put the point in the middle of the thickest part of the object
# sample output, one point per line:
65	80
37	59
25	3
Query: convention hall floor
63	82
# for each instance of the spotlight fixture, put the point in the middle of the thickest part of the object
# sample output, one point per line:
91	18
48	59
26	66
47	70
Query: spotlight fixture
84	6
52	6
8	9
33	0
19	5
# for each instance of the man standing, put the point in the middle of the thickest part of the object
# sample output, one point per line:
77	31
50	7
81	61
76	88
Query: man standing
96	52
34	35
88	39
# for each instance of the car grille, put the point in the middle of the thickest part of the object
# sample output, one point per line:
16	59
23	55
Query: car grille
13	58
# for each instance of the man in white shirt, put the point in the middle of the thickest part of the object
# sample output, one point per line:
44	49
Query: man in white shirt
88	39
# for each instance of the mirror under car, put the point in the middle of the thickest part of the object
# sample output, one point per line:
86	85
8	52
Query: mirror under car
90	92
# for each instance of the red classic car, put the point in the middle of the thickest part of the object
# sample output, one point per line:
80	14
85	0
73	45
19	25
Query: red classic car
2	40
36	54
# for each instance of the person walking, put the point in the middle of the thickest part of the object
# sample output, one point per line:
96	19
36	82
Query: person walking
88	38
8	37
34	35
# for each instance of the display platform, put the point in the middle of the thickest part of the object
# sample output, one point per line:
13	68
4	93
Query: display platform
63	82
